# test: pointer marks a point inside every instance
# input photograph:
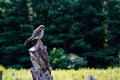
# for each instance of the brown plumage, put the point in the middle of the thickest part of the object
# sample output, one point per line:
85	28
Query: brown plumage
37	34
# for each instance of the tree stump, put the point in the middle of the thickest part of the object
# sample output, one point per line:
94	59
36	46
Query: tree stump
40	61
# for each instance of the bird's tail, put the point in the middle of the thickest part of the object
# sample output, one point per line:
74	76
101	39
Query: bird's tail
28	40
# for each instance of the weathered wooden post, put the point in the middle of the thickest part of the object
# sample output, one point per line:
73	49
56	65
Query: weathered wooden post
39	56
0	75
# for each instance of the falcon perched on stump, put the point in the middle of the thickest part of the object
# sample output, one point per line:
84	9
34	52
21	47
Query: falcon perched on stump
37	34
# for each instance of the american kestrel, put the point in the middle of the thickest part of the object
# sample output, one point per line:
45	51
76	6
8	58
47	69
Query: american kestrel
37	34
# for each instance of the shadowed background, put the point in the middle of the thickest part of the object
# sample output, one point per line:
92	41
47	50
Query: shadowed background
79	33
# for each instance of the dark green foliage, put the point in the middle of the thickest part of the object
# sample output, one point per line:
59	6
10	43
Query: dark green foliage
88	28
76	62
14	31
58	59
102	58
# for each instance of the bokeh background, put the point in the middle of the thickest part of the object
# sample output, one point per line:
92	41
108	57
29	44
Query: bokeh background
79	33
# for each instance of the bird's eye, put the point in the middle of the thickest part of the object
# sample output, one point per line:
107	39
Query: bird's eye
42	27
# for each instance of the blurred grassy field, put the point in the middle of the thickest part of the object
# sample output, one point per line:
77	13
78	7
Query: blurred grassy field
81	74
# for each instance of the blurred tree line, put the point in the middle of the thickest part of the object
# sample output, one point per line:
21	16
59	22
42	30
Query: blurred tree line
79	33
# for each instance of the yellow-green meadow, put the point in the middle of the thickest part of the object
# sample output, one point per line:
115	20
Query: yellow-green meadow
81	74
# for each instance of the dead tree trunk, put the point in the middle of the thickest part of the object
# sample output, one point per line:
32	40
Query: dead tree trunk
40	61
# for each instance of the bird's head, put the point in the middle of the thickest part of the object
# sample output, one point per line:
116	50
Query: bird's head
42	27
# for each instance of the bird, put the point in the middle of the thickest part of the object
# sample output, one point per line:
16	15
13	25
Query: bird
38	33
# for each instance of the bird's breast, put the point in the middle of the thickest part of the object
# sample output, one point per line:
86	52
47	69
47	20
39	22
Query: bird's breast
36	38
41	34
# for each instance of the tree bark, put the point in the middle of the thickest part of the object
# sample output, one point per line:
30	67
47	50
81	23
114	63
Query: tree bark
40	61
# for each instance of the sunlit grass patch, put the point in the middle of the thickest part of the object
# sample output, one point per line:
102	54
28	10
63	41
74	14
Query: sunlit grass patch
81	74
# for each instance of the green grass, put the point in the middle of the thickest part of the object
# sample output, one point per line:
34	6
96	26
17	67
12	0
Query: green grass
81	74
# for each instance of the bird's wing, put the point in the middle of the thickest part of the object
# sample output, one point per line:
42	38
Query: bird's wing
37	30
